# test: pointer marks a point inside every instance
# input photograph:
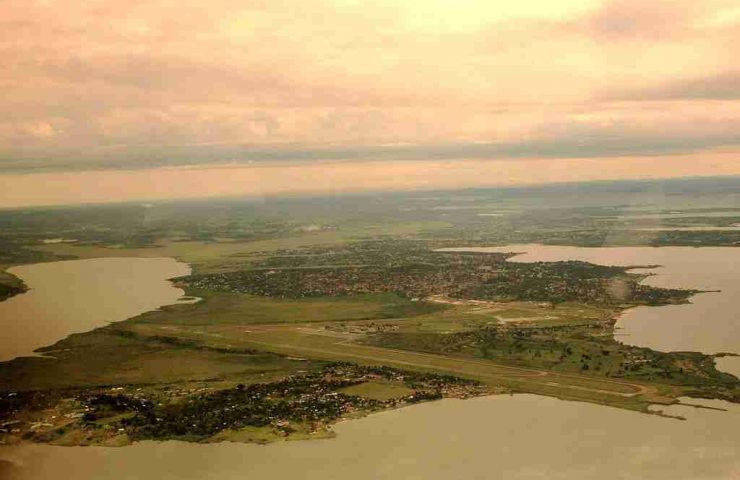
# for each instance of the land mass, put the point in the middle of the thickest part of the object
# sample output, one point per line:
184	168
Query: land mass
256	358
316	310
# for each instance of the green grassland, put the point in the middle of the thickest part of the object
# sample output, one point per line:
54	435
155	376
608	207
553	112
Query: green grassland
111	356
264	435
218	308
378	390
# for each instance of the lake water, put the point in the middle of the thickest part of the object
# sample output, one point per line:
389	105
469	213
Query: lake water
501	437
80	295
709	324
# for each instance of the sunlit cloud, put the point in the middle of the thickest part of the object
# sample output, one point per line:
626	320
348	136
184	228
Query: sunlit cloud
114	84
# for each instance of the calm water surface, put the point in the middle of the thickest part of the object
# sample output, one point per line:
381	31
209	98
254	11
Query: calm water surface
504	437
709	324
80	295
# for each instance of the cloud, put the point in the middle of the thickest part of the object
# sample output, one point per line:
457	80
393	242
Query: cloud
723	86
150	82
650	19
574	135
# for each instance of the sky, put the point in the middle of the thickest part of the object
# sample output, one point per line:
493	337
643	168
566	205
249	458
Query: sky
650	87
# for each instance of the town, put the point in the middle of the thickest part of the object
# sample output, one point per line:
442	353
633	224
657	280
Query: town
417	272
309	401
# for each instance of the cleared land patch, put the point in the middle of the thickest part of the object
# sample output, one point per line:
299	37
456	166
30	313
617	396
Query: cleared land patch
378	390
224	308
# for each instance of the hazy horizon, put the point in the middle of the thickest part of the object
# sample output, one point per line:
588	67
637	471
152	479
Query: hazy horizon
301	178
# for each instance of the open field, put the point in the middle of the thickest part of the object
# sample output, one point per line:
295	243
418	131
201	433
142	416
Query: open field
378	390
107	356
222	308
461	315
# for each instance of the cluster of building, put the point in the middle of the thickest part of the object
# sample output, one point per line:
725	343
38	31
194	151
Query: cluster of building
428	273
310	398
413	272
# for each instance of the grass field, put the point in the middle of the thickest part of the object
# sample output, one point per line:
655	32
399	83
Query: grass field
225	308
107	357
378	390
462	316
265	435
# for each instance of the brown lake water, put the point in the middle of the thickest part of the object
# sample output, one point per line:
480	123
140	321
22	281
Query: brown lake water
500	437
709	324
80	295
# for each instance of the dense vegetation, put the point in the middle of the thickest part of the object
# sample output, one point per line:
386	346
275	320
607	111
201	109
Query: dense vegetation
7	291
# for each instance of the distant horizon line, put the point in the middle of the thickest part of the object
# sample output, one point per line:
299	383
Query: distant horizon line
360	193
141	157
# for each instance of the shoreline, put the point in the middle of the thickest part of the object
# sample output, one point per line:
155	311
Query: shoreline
613	321
646	276
29	287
